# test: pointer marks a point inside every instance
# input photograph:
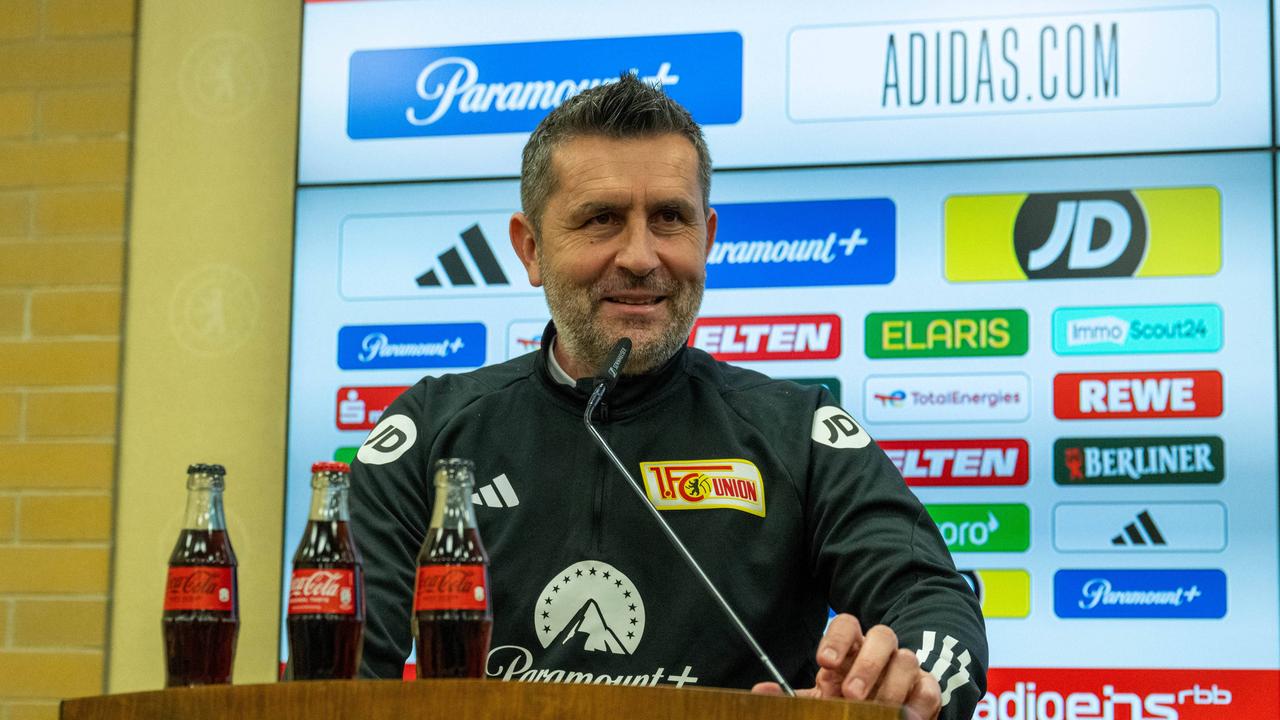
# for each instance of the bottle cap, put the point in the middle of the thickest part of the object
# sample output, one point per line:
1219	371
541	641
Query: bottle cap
330	466
206	469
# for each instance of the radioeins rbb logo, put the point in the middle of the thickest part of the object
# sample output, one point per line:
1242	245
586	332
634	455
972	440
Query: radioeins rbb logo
1121	395
768	337
959	462
1128	694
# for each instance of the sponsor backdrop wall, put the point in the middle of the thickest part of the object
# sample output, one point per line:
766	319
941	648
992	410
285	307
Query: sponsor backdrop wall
1033	249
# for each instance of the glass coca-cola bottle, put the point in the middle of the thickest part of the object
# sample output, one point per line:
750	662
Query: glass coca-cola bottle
201	607
452	620
326	591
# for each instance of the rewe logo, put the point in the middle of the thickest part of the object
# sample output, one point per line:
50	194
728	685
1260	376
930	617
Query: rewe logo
589	607
1087	234
960	462
772	337
456	271
1187	393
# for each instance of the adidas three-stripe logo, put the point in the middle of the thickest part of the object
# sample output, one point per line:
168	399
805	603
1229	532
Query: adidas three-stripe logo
497	493
1143	531
456	270
940	667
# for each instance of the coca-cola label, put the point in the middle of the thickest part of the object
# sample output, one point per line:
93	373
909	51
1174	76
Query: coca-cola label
451	587
330	591
201	587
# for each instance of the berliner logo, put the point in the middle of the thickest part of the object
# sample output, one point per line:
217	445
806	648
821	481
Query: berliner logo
590	606
388	441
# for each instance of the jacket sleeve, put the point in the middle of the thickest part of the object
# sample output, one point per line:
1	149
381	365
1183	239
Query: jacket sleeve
885	562
390	503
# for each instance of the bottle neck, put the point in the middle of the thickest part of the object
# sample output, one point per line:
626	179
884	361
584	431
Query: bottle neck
452	509
328	502
204	504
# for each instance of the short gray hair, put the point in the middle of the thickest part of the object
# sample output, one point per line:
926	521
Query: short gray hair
622	109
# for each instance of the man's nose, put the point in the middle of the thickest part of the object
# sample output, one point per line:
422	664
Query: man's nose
639	251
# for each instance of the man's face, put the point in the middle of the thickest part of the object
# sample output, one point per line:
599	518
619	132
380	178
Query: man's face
622	248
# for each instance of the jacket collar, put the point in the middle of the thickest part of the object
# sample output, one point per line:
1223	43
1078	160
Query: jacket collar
628	395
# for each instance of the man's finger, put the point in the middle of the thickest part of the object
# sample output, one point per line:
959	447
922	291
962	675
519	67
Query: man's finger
877	650
828	682
898	678
773	688
841	643
925	698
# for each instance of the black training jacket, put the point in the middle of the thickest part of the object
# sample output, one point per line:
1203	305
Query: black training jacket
785	502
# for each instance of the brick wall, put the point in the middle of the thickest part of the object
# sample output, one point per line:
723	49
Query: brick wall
65	85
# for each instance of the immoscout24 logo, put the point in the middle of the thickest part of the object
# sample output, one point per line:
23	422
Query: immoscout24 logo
733	484
1160	232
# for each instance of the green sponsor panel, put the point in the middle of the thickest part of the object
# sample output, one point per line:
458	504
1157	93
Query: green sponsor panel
946	333
981	527
345	454
1181	460
830	383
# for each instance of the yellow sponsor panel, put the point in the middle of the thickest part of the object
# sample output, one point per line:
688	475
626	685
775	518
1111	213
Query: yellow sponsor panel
1005	593
1157	232
733	484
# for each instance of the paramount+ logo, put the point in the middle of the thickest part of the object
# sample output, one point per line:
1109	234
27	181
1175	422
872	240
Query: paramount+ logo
1164	232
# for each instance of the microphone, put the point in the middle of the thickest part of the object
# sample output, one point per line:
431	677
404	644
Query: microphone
604	380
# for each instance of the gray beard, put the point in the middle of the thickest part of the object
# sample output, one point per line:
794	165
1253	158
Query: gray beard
573	308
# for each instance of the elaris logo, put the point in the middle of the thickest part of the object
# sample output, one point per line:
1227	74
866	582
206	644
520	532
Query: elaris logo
983	528
944	333
1163	232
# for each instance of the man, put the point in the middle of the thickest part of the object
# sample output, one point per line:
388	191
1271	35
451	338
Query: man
785	501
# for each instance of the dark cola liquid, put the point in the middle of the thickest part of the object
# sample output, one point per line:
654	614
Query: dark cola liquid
325	646
200	645
453	643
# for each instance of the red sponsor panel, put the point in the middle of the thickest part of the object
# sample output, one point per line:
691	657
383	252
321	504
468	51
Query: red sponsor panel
960	462
360	408
1141	694
1121	395
768	337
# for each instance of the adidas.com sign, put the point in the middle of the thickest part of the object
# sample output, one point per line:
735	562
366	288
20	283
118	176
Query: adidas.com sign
1140	527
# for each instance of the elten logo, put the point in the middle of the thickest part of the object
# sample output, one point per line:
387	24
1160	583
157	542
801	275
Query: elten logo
807	243
1146	593
1163	232
733	484
1137	329
510	87
946	333
360	408
1181	460
955	463
946	398
768	337
1140	527
1122	395
443	345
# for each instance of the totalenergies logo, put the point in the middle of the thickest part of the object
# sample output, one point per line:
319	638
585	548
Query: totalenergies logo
704	484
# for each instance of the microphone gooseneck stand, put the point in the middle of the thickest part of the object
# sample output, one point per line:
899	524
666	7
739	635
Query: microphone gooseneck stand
603	383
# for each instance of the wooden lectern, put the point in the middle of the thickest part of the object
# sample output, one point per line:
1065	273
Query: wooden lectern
460	700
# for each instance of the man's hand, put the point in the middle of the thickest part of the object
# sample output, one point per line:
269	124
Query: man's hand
868	667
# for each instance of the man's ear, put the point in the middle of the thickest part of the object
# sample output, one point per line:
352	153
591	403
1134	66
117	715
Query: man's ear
525	242
712	219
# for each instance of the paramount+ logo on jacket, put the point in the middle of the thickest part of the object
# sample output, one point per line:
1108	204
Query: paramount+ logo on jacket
1162	232
946	333
1182	460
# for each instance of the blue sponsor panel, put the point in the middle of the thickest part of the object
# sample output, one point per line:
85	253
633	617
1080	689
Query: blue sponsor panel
384	347
1137	329
1155	594
509	88
810	243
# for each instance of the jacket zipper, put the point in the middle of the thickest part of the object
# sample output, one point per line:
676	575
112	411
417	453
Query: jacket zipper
597	510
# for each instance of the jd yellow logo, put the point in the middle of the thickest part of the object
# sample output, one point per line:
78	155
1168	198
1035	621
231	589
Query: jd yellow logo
1159	232
704	484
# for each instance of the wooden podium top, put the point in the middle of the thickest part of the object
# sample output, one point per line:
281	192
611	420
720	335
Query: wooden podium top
460	700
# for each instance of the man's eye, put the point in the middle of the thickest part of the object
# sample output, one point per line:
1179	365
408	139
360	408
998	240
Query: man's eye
601	219
669	216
